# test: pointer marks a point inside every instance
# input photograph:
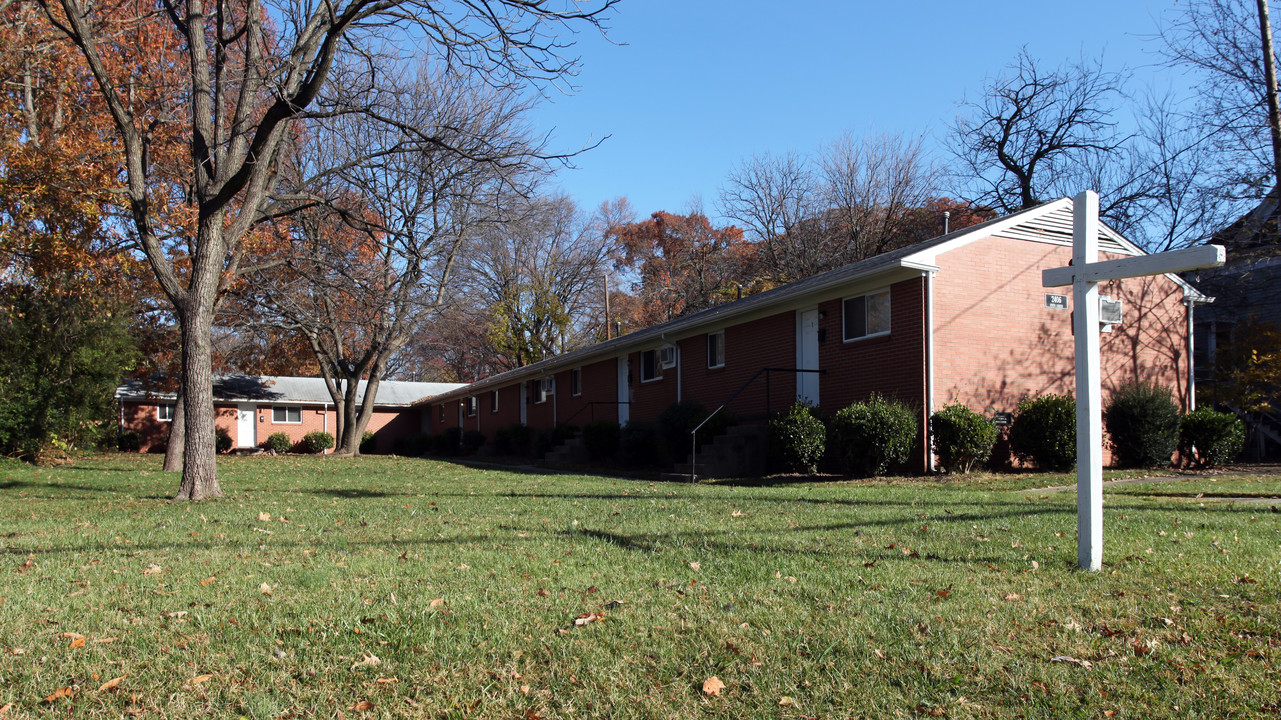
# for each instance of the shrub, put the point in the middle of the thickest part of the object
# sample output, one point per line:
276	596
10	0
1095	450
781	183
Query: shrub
514	439
1143	425
368	443
222	440
129	441
600	437
1044	431
472	440
411	445
279	443
317	441
1212	438
639	447
557	436
798	438
963	439
871	436
448	442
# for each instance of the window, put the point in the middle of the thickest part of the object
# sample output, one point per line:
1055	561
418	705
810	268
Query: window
493	401
650	369
867	315
576	381
543	389
471	406
287	415
164	413
442	414
716	349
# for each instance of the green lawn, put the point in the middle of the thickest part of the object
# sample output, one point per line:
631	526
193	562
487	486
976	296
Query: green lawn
387	587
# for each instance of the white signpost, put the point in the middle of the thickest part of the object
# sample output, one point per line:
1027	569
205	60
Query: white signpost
1084	275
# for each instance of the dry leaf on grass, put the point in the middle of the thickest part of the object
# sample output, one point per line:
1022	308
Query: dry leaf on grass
387	680
200	678
4	709
370	660
436	602
153	570
77	643
265	589
111	684
362	706
786	701
589	617
694	566
1013	596
58	694
713	686
207	580
264	516
1069	659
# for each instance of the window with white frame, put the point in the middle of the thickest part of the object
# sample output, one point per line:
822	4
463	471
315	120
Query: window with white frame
650	369
543	389
164	413
716	349
866	315
286	415
471	406
576	381
493	401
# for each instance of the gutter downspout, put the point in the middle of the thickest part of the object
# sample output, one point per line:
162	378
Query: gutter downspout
929	370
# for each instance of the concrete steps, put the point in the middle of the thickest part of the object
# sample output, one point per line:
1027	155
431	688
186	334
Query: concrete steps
740	452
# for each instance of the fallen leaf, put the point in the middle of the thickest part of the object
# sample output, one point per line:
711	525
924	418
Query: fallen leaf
387	680
77	643
786	701
1068	659
58	694
153	570
590	617
694	566
200	678
26	566
4	709
878	654
713	686
370	660
737	513
265	589
207	580
111	684
1013	596
362	706
1246	579
945	592
542	592
436	602
264	516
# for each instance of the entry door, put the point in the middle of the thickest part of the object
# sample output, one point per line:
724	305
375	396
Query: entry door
624	392
807	356
246	426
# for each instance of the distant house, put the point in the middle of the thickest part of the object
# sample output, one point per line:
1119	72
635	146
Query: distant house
962	318
250	408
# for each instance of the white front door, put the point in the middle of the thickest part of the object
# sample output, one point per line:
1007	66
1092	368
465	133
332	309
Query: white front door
624	392
246	426
807	356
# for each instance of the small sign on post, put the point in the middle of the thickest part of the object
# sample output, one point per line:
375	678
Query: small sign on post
1056	302
1084	275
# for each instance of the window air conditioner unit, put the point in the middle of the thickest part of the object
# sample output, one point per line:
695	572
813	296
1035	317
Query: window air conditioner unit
1109	311
667	356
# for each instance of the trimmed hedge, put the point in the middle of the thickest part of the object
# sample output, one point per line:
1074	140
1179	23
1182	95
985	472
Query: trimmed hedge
963	439
129	441
1143	425
317	441
279	443
872	436
1044	431
411	445
368	444
472	440
798	438
448	442
1208	438
600	437
222	440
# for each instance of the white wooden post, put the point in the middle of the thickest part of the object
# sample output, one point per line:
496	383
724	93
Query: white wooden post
1084	275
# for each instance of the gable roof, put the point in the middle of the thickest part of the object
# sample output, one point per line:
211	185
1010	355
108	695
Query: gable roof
1044	223
294	390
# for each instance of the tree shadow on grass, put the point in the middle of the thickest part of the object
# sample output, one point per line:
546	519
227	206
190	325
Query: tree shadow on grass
352	493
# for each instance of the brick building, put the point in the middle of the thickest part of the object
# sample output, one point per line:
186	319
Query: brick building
960	318
250	408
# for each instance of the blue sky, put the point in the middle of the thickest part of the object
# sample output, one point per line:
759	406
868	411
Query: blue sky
694	86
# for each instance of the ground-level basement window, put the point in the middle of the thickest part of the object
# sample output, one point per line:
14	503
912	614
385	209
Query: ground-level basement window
286	415
716	349
867	315
164	413
649	367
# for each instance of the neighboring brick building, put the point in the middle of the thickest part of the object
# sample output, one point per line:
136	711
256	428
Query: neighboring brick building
960	318
250	408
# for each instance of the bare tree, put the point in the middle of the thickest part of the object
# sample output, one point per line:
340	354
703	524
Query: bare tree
252	68
1035	134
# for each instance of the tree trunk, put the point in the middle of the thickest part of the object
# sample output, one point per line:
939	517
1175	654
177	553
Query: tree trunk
177	436
1270	76
195	315
349	440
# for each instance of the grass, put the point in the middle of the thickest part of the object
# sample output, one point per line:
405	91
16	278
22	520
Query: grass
390	587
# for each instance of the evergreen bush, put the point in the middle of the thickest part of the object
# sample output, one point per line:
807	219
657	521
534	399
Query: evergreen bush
963	439
279	443
797	438
129	441
871	436
1044	431
1142	424
317	441
448	442
412	445
1209	438
600	437
514	440
472	440
368	443
639	446
222	440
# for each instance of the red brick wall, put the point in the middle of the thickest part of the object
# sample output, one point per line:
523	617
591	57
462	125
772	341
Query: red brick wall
767	342
599	384
996	342
649	399
141	418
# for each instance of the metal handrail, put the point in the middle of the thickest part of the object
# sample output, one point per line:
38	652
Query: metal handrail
593	405
693	434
